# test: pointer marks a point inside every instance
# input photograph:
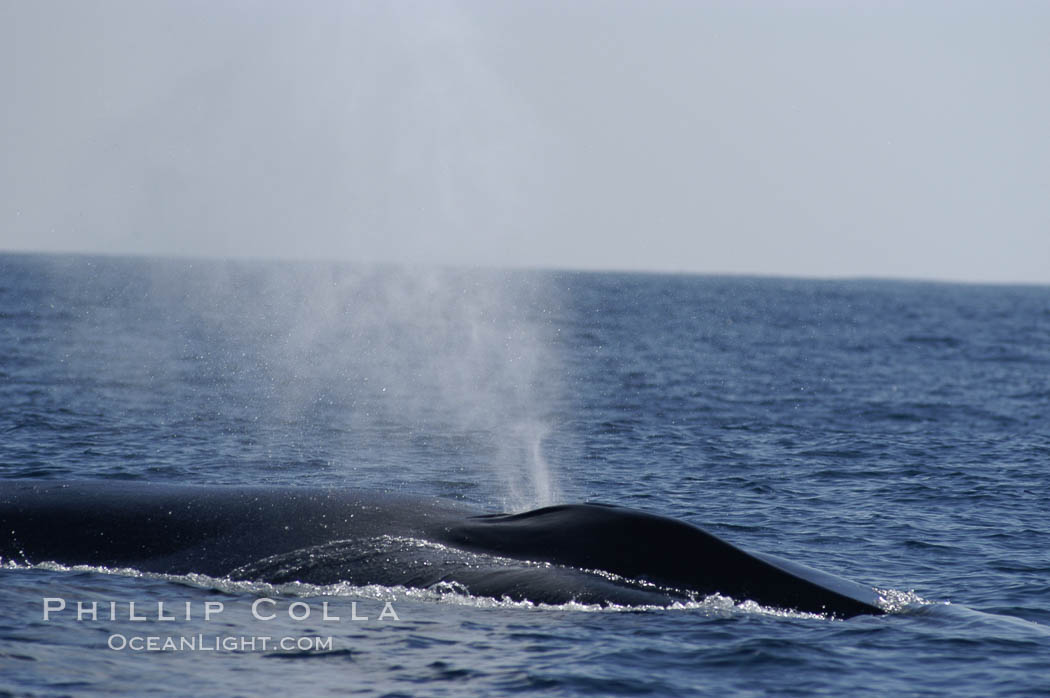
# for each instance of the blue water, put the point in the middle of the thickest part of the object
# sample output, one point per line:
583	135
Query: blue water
894	433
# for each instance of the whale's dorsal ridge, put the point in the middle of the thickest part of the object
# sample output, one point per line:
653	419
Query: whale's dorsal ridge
219	530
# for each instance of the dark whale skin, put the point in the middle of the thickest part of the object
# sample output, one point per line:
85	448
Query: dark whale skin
591	553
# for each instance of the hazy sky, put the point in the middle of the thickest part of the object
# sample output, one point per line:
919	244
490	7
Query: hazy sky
806	138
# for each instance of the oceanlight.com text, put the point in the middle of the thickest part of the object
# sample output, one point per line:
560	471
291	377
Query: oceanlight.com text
217	643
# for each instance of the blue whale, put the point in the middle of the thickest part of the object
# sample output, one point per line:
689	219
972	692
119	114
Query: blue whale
589	553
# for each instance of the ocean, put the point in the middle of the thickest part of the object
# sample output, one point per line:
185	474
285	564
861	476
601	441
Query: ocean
895	433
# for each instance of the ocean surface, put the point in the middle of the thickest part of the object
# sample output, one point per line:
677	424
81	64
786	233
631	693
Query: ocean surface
894	433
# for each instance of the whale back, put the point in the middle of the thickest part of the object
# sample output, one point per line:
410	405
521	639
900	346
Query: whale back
641	546
325	535
181	529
